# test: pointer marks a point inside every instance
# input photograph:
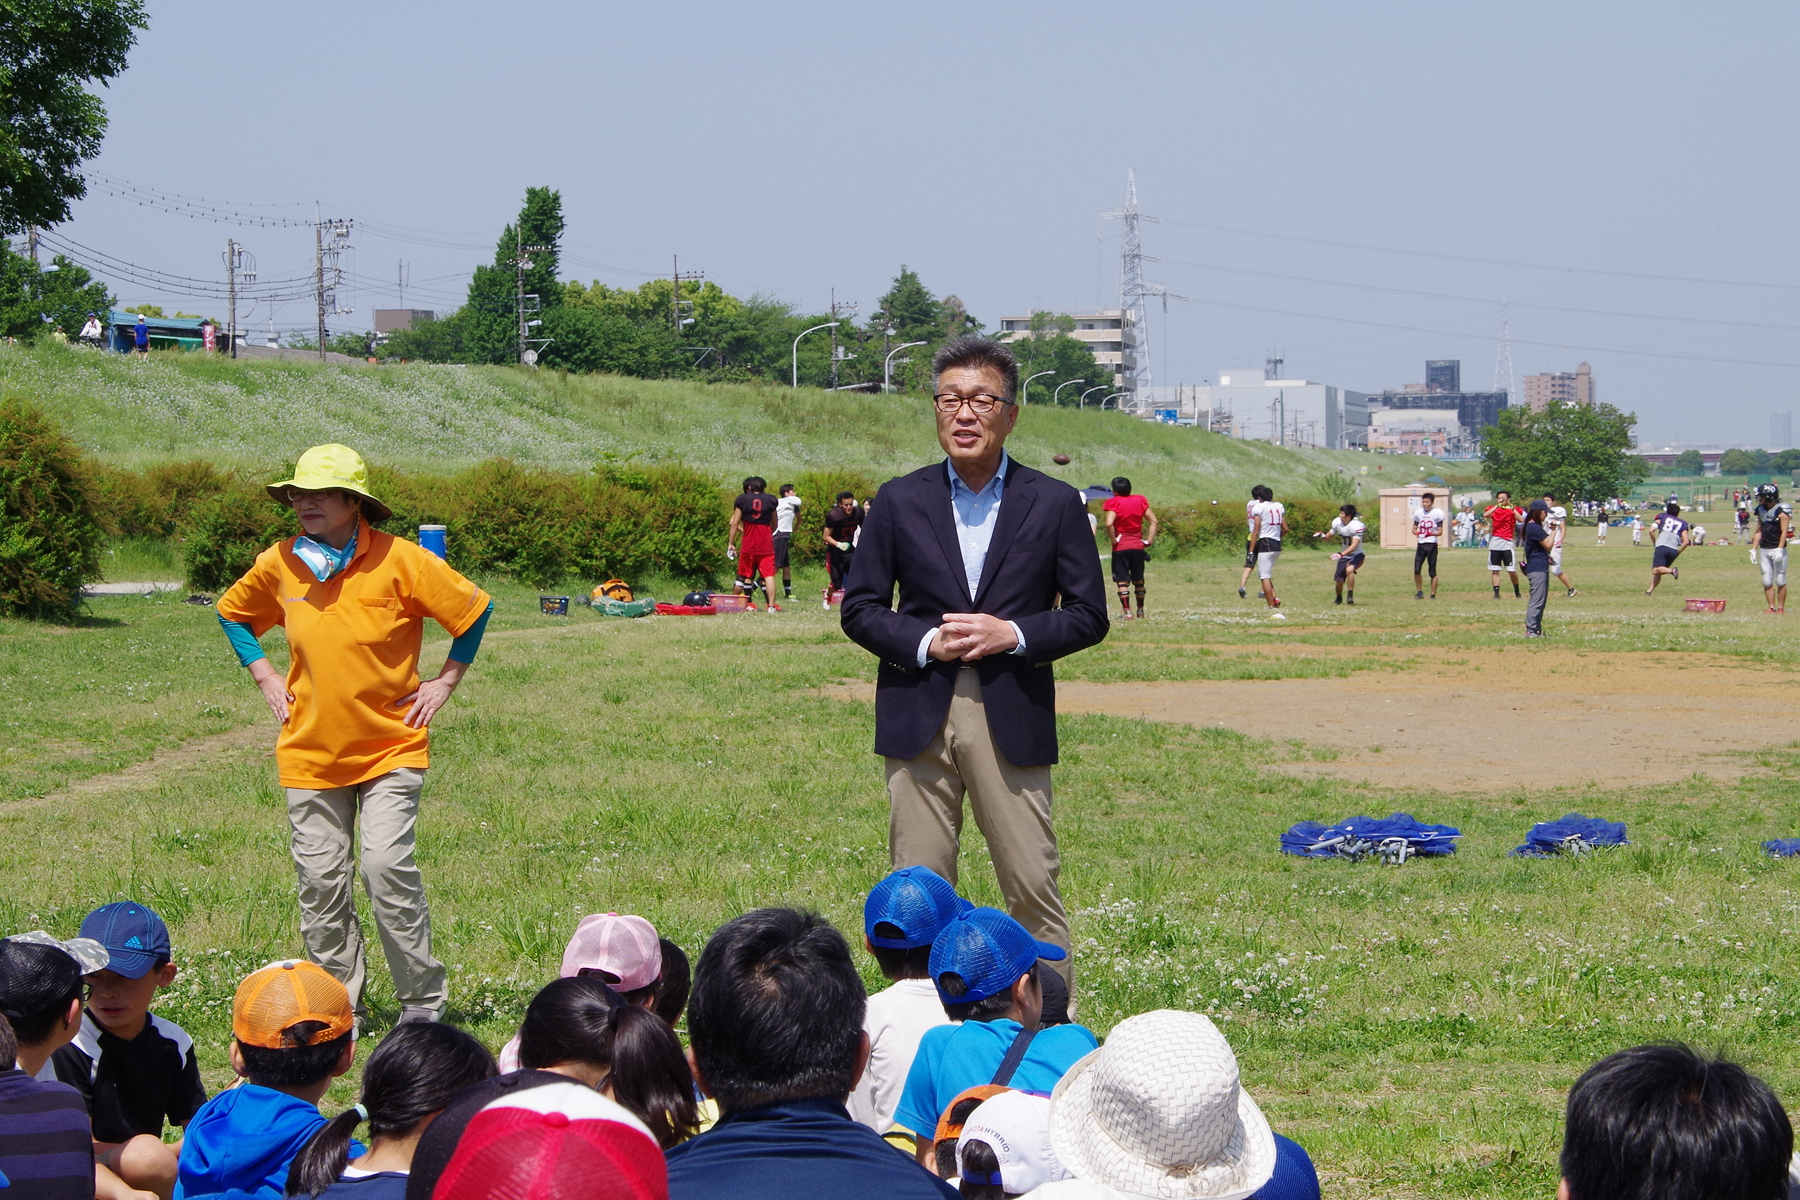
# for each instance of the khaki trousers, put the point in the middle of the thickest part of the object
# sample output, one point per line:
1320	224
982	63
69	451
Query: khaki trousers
1011	806
323	824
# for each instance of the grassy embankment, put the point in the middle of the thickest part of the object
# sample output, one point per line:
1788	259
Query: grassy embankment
1416	1028
258	414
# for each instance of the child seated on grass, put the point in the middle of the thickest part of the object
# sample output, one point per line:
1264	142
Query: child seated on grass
623	952
902	916
293	1032
985	966
417	1070
133	1068
46	1143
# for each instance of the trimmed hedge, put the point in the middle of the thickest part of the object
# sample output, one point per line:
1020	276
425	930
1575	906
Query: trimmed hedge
50	536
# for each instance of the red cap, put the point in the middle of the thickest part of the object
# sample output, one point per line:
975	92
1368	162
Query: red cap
562	1141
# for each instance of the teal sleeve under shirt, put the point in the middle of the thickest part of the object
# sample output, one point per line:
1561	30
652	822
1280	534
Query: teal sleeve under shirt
243	641
463	649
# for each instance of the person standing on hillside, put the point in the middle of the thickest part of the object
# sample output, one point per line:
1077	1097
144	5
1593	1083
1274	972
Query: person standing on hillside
1538	541
1673	535
1428	526
1774	526
843	528
140	335
1269	517
998	576
1125	518
787	505
353	746
1503	524
753	521
1258	494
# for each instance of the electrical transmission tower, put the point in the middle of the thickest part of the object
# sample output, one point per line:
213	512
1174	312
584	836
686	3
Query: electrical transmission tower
327	275
1134	294
1503	368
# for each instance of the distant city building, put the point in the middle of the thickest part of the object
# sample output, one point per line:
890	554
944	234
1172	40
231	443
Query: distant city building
1781	430
1255	403
1433	443
1442	390
1107	332
1562	387
389	320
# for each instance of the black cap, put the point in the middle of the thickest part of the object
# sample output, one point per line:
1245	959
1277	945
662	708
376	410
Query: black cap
34	977
1537	506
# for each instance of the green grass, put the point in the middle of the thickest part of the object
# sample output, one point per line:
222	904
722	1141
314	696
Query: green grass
258	414
1416	1029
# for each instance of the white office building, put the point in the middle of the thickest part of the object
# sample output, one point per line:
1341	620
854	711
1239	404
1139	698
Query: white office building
1107	332
1247	403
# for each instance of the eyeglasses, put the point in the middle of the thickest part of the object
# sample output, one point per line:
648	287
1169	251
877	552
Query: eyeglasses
294	494
981	403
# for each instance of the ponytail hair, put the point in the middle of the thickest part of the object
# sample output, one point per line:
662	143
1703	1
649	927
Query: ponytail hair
414	1073
580	1019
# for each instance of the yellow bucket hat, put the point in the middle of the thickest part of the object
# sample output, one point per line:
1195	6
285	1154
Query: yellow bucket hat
332	466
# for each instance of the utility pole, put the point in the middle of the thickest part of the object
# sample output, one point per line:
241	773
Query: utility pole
521	264
31	236
675	301
838	355
400	274
231	254
327	274
319	278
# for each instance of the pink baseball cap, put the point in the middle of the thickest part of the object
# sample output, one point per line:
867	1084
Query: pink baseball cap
624	947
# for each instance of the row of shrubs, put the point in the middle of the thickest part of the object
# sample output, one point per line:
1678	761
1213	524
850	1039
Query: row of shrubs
1189	530
541	527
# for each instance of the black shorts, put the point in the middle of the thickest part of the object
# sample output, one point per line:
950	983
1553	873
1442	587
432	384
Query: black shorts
1249	553
781	550
1128	565
1501	560
1425	554
1348	563
1665	556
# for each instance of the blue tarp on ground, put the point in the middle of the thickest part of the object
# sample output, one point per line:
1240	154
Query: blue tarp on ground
1783	847
1571	834
1358	837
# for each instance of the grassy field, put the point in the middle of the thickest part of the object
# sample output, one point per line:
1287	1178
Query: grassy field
137	411
1415	1028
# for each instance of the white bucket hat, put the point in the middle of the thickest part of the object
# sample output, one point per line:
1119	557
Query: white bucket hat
1159	1111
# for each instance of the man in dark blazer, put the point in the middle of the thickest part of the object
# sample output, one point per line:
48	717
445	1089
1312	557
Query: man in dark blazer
998	577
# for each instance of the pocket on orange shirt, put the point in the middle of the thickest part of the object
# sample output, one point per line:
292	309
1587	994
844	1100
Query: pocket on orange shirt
373	619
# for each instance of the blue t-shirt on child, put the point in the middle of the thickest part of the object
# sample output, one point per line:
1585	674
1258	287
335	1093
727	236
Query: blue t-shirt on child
954	1058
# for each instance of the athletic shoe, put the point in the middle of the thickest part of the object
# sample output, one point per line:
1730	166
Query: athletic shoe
1242	593
1434	595
1418	595
1140	614
1675	572
1338	600
1278	616
1517	594
1352	599
1496	591
1126	615
1571	591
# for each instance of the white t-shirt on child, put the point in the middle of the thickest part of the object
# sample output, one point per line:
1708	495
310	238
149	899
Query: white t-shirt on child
896	1019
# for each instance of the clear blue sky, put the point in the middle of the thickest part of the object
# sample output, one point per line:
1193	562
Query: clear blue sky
797	147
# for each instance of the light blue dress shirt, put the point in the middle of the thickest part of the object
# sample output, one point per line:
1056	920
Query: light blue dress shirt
975	514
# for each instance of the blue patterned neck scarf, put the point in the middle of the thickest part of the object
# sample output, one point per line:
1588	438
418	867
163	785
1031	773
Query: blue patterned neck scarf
322	560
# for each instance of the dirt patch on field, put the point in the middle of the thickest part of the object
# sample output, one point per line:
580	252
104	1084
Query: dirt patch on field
1459	724
250	739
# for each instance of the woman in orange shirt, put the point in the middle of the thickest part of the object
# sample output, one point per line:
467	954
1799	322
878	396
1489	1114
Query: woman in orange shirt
353	711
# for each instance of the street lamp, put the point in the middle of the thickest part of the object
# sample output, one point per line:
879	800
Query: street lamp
1114	396
803	333
887	366
1060	387
1082	402
1025	388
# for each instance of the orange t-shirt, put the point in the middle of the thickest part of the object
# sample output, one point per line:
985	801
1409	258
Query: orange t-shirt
353	646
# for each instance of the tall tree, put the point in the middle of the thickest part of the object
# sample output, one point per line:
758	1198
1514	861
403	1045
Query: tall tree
490	318
1690	462
33	302
1576	451
50	49
913	313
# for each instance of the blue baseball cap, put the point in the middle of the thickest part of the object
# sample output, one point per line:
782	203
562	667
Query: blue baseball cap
916	900
136	938
989	950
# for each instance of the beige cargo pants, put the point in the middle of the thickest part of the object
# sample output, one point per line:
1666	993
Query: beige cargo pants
324	826
1011	806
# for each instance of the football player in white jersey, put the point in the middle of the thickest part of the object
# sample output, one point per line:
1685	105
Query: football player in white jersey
1557	524
1349	529
1270	519
1428	526
1258	494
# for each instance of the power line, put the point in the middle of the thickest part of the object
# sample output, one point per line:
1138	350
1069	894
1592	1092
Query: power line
1491	262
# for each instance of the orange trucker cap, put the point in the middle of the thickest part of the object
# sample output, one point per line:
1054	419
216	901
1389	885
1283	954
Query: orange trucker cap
282	995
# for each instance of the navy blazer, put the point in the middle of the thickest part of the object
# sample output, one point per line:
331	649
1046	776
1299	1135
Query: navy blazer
1043	548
